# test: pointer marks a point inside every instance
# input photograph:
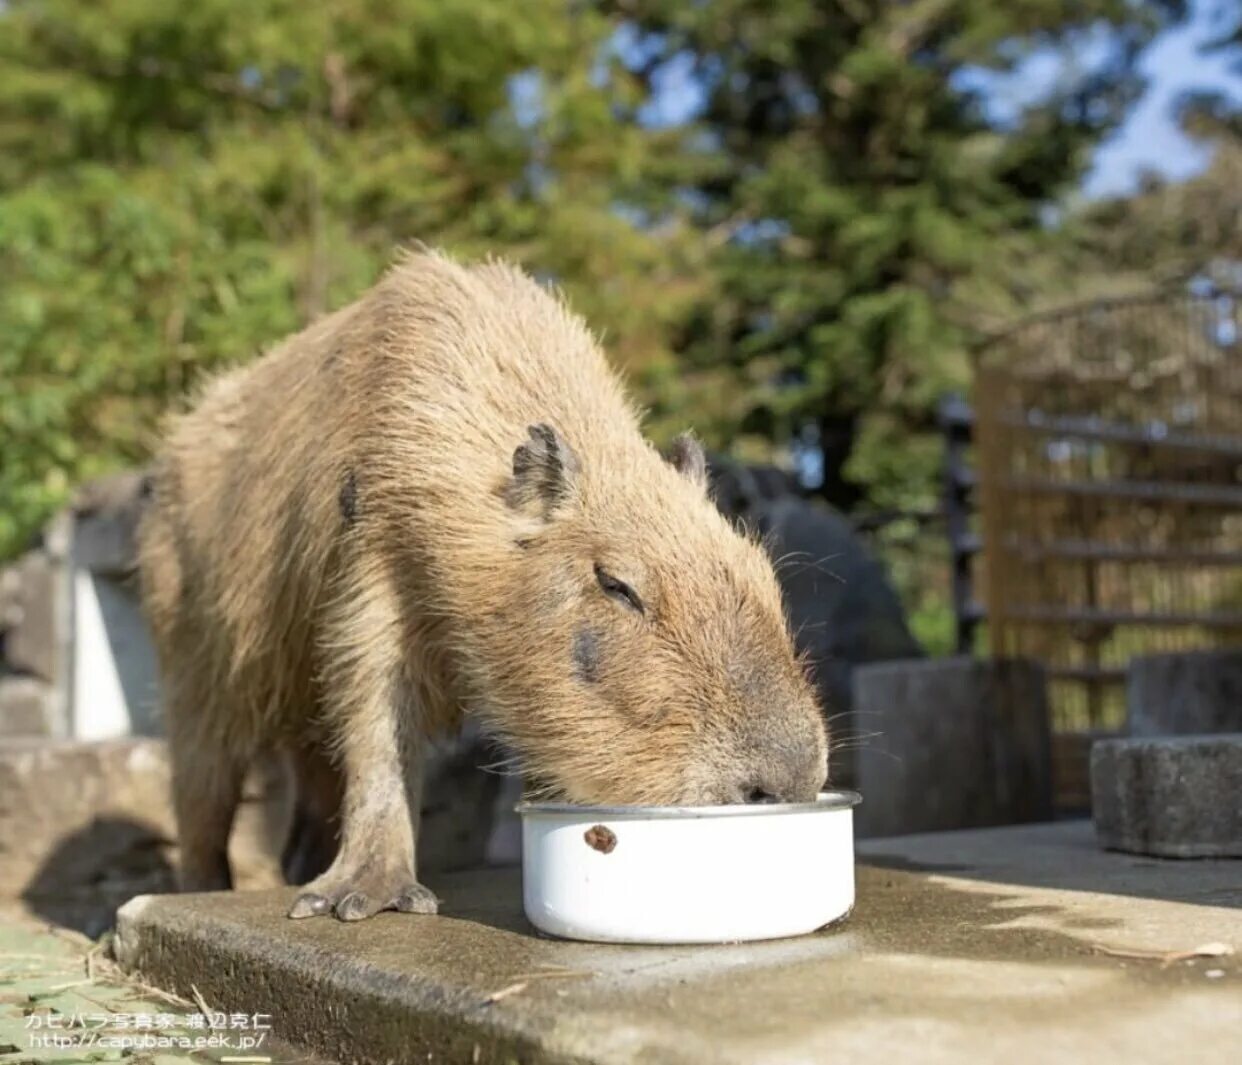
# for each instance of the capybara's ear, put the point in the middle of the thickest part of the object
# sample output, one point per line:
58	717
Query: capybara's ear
686	456
544	468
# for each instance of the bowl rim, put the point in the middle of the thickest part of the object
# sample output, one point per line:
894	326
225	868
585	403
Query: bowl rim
826	800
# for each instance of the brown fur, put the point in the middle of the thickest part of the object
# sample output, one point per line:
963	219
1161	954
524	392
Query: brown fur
421	506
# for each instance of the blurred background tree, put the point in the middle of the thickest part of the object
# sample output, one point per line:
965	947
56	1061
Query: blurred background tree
183	184
852	183
791	219
878	186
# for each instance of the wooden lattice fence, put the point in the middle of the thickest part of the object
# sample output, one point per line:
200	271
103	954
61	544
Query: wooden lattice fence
1108	443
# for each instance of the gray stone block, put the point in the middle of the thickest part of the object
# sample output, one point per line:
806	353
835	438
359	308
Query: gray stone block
106	514
1185	694
1173	797
27	707
85	826
28	616
958	743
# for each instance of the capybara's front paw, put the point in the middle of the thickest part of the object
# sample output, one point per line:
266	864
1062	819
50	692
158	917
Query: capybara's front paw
354	893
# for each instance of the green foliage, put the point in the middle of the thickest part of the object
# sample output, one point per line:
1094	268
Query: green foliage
860	202
183	184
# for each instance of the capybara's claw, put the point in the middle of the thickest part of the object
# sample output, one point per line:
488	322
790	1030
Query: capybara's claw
416	899
348	901
309	904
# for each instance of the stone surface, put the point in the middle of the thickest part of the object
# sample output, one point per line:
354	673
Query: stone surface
956	743
27	706
957	951
1174	797
85	826
107	512
840	601
27	617
1184	694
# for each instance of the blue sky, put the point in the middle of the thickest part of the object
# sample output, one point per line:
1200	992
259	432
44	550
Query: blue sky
1177	62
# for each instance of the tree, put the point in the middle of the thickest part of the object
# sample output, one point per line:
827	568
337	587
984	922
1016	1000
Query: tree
858	197
1171	233
183	184
1166	236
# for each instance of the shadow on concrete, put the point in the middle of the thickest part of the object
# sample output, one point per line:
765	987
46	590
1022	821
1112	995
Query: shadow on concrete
95	870
487	896
1061	855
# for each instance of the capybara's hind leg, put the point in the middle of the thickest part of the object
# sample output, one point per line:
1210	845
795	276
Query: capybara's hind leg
207	783
312	841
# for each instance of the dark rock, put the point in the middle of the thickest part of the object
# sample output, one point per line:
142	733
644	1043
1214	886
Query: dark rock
842	607
107	513
463	810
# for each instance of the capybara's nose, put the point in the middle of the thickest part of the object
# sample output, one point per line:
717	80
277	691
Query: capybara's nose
795	777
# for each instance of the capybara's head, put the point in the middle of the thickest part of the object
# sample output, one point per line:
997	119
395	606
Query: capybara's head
648	656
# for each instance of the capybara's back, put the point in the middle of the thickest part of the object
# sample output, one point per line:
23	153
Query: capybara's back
437	501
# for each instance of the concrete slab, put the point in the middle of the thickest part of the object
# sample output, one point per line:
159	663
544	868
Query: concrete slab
957	743
1169	796
962	948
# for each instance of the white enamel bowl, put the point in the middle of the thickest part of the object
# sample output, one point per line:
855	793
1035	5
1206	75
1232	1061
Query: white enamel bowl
688	874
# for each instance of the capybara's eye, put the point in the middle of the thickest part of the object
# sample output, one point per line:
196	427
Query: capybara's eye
618	589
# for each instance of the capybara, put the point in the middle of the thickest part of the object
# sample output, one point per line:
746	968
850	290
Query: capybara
437	501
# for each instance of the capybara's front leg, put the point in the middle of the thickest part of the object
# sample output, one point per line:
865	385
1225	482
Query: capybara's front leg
380	752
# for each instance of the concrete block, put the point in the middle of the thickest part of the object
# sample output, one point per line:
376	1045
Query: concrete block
1173	797
27	706
28	616
945	960
959	743
1189	693
85	826
106	514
